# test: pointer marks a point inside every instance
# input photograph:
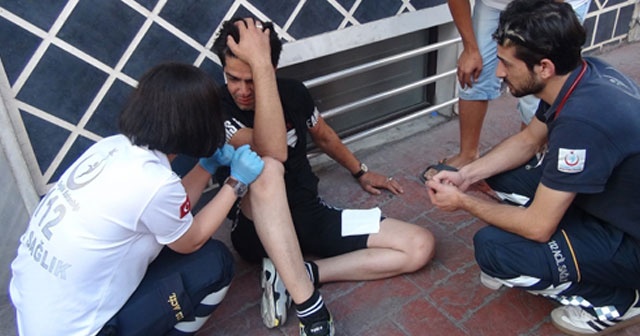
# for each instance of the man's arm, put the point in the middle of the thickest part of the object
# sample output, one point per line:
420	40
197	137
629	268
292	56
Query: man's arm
206	222
269	134
329	142
511	153
245	167
470	61
537	222
210	217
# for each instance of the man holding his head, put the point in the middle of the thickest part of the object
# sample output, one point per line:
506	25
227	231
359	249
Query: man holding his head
274	117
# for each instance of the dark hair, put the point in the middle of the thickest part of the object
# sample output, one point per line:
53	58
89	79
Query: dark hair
175	109
221	49
542	29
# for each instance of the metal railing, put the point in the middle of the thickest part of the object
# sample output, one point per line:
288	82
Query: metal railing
386	94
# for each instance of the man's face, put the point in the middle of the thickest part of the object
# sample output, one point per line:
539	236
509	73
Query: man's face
240	83
514	72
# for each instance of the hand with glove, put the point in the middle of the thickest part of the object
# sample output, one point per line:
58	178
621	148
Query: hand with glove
222	157
246	165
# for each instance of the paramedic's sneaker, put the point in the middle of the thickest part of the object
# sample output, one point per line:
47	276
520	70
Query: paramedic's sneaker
275	298
319	328
576	321
489	281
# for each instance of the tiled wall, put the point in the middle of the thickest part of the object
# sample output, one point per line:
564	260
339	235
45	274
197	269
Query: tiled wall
608	22
70	64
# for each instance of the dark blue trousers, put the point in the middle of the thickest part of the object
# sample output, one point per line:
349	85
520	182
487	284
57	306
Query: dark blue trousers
172	290
586	262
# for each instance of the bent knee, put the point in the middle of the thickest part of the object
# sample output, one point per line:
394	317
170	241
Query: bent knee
420	248
272	172
272	167
487	243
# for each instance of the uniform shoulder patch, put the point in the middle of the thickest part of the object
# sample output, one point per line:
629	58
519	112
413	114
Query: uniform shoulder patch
571	160
185	207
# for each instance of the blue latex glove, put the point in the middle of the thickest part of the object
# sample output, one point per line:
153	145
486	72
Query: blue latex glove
246	165
222	157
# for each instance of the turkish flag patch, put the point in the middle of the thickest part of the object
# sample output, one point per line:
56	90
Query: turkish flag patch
185	207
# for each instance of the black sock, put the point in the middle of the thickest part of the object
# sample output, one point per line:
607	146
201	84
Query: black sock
312	310
312	270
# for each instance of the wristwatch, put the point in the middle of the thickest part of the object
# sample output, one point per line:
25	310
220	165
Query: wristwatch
238	187
362	171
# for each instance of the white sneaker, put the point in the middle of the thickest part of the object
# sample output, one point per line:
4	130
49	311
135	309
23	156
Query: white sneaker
489	281
275	298
576	321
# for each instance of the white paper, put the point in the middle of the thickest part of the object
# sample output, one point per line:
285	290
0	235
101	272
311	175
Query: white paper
359	222
515	198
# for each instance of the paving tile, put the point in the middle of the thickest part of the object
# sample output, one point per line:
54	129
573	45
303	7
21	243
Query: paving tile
468	230
454	253
405	207
461	295
510	312
421	318
371	302
245	291
430	277
384	327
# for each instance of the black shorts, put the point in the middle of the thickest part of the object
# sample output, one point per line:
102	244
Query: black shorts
318	227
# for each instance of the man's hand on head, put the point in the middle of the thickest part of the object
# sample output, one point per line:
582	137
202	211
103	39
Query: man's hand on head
253	46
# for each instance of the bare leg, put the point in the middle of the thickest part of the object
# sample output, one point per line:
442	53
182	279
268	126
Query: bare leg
471	118
272	219
472	113
398	248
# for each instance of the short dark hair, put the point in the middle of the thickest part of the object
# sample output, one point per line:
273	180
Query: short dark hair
175	109
542	29
221	49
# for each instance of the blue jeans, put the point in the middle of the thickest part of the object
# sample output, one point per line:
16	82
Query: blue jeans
487	85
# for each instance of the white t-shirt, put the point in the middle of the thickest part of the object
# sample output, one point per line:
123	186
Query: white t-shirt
92	237
502	4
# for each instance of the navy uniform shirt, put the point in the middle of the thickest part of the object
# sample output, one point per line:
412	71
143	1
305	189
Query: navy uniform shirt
594	145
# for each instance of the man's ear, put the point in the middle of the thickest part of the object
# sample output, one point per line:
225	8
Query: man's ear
547	68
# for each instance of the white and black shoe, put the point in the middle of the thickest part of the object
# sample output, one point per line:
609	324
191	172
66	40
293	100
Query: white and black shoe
319	328
574	320
275	298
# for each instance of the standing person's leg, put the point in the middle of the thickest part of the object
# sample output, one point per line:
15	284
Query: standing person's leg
471	114
178	293
474	101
